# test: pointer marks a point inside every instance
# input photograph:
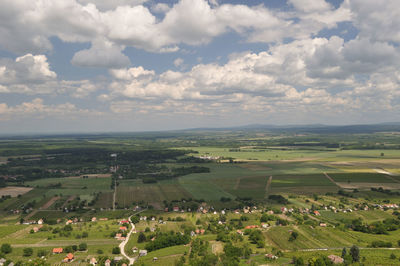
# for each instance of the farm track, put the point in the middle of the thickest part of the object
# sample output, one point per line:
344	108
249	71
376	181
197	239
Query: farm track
115	194
268	186
46	243
333	181
71	198
44	207
237	183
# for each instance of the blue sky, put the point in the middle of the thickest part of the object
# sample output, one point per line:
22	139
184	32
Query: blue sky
135	65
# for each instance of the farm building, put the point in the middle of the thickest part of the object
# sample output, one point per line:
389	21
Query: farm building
57	250
70	257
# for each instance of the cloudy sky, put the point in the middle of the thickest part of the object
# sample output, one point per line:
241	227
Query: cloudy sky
133	65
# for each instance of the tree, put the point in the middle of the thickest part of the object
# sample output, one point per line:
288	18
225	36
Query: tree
82	246
344	252
141	237
116	250
41	253
6	248
355	253
27	252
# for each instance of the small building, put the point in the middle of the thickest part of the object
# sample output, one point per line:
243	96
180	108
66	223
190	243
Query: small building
93	261
118	258
271	257
134	249
322	224
107	262
94	219
57	250
69	258
68	222
155	259
335	259
40	221
175	208
142	252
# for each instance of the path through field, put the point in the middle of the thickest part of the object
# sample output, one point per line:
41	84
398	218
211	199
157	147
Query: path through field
267	187
71	198
331	179
115	194
44	207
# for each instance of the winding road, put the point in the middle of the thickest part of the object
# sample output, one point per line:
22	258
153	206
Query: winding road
123	243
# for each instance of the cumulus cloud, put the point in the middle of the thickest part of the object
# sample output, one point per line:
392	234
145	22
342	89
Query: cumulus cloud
101	54
28	25
37	108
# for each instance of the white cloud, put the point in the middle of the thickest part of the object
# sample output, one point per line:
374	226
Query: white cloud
377	20
28	25
178	62
101	54
37	109
104	5
25	74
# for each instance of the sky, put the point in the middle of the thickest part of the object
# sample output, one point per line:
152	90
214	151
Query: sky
138	65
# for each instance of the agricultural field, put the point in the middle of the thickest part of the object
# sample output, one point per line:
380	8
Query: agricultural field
206	196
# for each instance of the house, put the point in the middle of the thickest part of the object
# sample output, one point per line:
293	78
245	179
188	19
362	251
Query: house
155	259
142	252
68	222
40	221
175	208
192	234
107	262
166	209
239	232
94	219
2	261
317	213
118	235
134	249
202	231
322	224
117	258
57	250
265	226
103	219
335	259
93	261
271	257
124	222
122	228
70	257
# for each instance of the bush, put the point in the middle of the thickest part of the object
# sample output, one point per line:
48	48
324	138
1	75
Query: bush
141	237
6	248
27	252
116	250
41	253
82	246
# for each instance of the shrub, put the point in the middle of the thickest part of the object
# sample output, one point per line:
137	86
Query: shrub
6	248
116	250
27	252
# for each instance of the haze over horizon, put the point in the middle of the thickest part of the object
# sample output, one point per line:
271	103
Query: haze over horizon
137	65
